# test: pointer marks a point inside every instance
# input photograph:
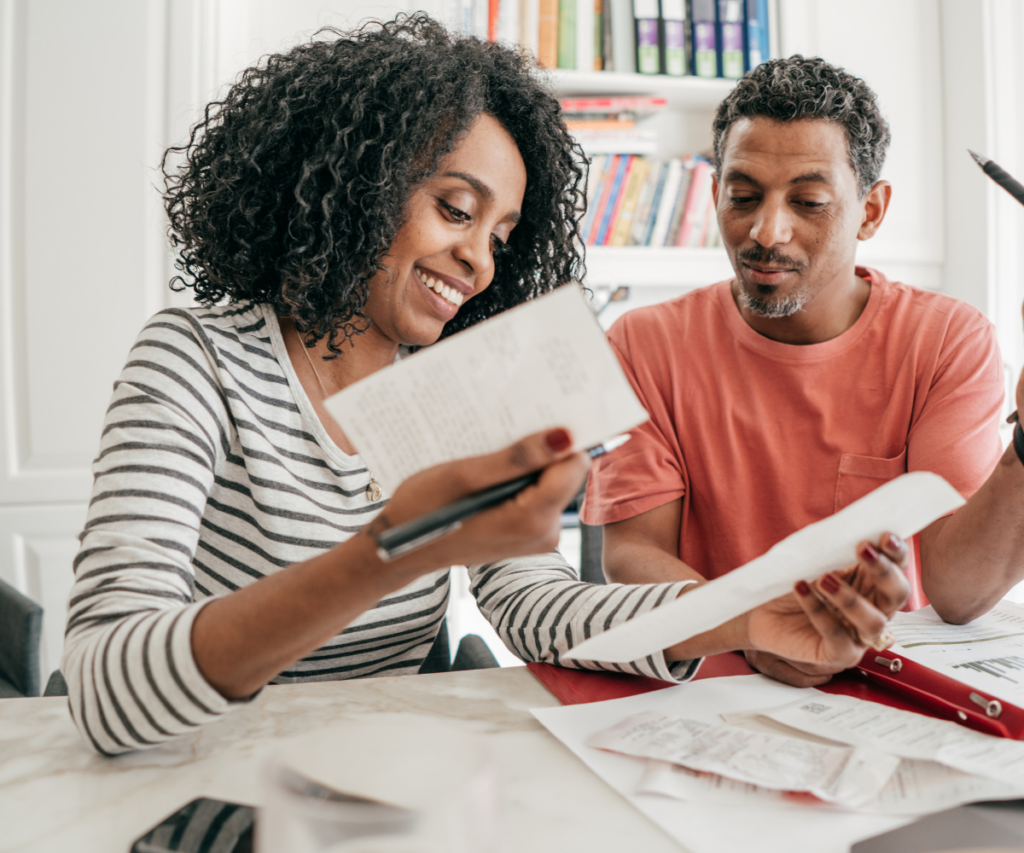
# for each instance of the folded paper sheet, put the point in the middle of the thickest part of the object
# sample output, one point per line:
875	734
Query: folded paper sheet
701	826
903	506
842	775
539	365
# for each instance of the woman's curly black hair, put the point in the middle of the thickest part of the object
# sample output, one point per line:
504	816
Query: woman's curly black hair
292	188
798	88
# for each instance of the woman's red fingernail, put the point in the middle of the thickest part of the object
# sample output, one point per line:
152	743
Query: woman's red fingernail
895	542
829	584
558	440
802	588
870	553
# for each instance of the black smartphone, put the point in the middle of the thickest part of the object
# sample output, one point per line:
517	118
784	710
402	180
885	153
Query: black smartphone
202	826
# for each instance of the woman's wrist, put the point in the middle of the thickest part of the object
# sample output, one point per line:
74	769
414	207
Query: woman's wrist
730	636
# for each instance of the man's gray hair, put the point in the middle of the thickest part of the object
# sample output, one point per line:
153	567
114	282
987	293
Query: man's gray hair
797	88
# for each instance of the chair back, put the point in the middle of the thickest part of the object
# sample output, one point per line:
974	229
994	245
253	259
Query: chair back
21	621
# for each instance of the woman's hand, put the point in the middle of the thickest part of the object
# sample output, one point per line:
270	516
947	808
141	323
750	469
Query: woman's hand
804	638
528	523
242	640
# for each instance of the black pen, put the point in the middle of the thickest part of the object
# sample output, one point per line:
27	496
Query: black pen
1009	183
407	537
1000	176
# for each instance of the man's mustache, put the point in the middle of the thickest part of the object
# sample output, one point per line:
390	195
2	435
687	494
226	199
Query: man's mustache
761	256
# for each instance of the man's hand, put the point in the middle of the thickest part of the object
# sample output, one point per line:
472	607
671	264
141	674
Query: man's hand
827	630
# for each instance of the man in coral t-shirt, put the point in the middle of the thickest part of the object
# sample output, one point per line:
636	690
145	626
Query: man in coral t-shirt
785	394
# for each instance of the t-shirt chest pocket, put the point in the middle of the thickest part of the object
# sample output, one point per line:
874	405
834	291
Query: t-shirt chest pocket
859	475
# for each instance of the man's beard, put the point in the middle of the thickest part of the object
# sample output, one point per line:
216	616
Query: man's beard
769	306
760	299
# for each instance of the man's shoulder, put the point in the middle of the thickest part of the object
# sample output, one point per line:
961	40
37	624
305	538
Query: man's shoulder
927	312
690	311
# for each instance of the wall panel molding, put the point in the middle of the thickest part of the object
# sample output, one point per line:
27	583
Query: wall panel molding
83	259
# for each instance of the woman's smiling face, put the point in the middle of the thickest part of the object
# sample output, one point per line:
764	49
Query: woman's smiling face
456	220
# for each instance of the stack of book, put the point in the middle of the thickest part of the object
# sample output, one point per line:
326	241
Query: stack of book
704	38
637	201
612	124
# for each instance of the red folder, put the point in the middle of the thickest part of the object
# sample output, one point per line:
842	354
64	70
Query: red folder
907	685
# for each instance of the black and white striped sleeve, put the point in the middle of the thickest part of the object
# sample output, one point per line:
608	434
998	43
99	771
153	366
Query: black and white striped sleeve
132	678
541	609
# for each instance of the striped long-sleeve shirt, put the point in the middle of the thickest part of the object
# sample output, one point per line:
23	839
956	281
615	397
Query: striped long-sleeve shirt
213	472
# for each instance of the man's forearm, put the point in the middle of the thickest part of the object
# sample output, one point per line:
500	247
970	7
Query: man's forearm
972	558
637	562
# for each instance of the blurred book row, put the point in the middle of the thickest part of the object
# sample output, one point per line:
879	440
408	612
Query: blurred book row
613	124
638	201
704	38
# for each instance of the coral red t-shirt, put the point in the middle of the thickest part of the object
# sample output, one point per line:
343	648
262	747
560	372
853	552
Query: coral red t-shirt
761	438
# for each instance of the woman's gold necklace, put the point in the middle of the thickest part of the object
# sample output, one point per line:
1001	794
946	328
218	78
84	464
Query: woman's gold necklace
373	490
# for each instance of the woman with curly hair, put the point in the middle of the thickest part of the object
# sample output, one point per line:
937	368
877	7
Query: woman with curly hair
359	195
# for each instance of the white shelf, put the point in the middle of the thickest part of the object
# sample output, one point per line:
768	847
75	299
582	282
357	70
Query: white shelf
680	92
667	266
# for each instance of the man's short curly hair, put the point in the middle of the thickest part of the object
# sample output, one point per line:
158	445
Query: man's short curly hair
798	88
292	188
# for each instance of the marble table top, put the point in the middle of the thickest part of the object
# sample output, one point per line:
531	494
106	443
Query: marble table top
56	794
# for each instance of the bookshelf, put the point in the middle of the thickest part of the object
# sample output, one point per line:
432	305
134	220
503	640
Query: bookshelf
684	127
682	93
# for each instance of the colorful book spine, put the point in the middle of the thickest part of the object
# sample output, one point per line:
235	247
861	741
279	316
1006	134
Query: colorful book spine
595	172
642	214
584	35
547	33
623	222
530	26
648	54
663	219
623	36
613	104
599	30
679	205
705	37
730	21
673	25
604	193
492	20
481	12
509	21
757	34
598	124
607	52
691	229
644	237
566	33
614	201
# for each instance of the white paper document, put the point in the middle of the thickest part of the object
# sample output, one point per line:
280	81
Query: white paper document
903	506
916	788
987	654
844	775
540	365
712	826
869	724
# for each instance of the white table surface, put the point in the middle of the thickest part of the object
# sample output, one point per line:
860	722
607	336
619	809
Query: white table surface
57	795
